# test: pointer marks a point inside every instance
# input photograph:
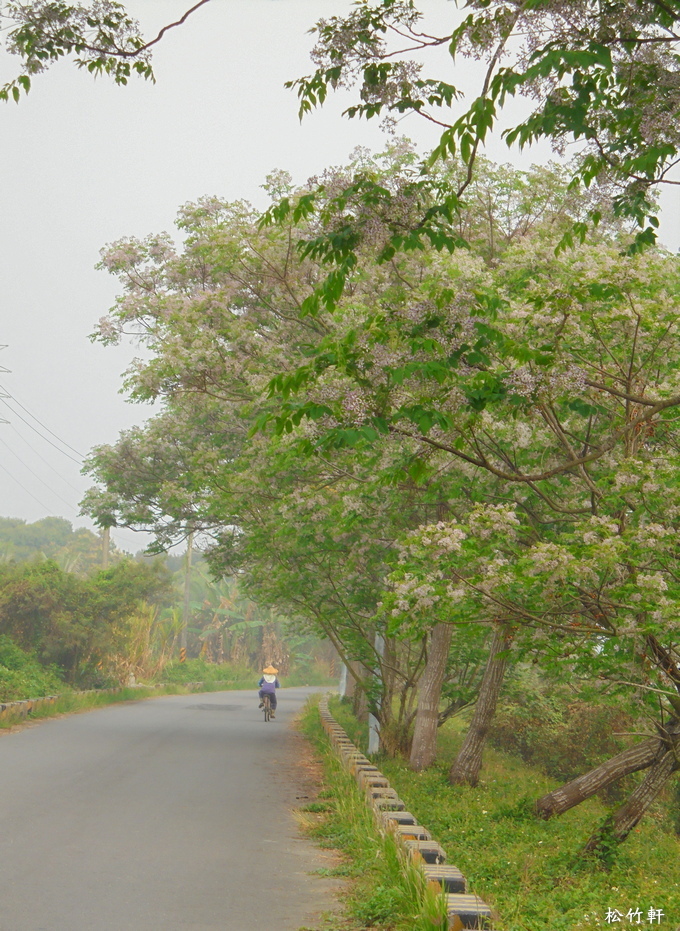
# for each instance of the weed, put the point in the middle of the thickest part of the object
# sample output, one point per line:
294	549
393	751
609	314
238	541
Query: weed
387	891
384	903
317	807
533	872
522	810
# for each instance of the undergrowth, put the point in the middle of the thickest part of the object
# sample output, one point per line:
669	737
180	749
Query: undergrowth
22	675
237	676
385	890
533	872
195	675
72	701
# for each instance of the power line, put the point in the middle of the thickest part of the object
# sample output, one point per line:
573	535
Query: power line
63	442
7	472
4	372
45	438
16	455
6	394
46	461
129	540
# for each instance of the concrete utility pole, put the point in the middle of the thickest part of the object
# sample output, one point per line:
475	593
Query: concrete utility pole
373	722
342	689
106	544
185	610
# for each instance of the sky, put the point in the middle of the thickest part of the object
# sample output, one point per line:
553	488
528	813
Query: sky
84	162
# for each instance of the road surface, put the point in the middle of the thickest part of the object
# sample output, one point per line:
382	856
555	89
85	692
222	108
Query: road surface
160	815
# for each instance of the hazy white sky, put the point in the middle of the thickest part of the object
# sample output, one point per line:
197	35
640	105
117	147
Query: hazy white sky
85	162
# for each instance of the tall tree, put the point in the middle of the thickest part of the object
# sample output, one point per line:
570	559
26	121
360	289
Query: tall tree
219	318
603	75
530	392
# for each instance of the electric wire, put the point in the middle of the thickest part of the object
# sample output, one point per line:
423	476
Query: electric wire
46	461
45	438
56	494
51	432
30	493
125	537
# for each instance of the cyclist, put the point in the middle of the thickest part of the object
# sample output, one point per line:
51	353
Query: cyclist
268	685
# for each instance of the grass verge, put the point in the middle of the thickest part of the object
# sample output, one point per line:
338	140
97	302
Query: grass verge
71	702
533	871
384	889
180	680
238	676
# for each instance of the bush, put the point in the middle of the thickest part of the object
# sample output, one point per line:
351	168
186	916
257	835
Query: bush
240	676
564	736
22	676
385	903
197	670
315	672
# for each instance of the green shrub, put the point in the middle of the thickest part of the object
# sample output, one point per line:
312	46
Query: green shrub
243	677
22	676
547	727
197	670
384	903
313	672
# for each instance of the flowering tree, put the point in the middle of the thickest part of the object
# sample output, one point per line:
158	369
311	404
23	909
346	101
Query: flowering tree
507	400
602	75
545	374
577	558
219	318
310	535
100	37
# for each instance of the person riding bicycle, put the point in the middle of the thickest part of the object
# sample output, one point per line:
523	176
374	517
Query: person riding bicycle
268	685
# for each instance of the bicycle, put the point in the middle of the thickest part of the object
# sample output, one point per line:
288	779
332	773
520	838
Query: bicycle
267	707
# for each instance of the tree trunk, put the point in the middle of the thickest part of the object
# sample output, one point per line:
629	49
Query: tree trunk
361	675
273	650
618	826
424	746
573	793
360	705
352	676
468	763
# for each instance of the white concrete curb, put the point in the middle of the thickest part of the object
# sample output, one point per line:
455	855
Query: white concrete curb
464	910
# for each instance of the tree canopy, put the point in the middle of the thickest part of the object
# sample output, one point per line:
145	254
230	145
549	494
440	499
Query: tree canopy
78	551
100	37
70	622
602	76
483	438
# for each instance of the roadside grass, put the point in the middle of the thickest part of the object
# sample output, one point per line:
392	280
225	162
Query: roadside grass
239	676
228	675
384	890
73	701
532	872
179	679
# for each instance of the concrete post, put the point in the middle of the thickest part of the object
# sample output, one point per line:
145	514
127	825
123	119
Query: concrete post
187	580
342	688
373	723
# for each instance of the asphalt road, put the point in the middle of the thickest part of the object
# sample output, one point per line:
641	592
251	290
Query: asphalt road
167	814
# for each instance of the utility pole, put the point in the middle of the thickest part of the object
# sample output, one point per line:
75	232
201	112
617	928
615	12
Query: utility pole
185	610
373	722
106	543
343	680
